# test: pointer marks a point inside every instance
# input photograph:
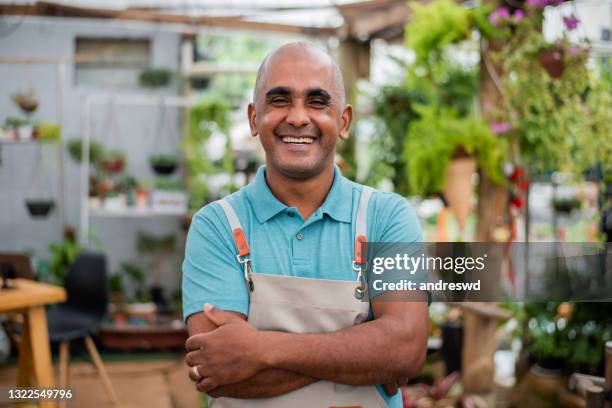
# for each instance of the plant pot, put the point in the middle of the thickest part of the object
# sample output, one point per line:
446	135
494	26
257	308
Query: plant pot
28	106
113	166
117	203
142	199
163	169
39	208
458	188
126	337
552	61
545	382
25	133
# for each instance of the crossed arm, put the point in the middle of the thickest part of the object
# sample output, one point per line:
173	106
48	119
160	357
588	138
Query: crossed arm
237	360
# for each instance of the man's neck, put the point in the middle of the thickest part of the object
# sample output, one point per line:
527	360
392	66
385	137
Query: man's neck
305	195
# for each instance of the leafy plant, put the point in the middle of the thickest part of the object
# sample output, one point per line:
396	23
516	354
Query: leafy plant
147	243
207	117
436	136
436	25
569	335
75	149
15	122
155	77
561	121
164	160
49	133
63	254
115	283
136	277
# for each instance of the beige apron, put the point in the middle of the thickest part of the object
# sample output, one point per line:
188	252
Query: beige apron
305	305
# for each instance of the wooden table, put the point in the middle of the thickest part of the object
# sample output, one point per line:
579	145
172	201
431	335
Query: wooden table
29	298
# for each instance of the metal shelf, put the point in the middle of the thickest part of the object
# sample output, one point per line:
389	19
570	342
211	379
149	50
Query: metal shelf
135	212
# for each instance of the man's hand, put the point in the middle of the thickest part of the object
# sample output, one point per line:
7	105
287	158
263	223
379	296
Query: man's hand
226	355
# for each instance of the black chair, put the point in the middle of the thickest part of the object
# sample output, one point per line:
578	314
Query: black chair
82	313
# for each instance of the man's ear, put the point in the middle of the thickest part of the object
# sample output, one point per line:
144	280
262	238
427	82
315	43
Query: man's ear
252	119
347	118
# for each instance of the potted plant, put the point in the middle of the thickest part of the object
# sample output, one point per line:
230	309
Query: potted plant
115	285
155	77
113	161
26	101
442	151
156	249
63	254
49	132
164	164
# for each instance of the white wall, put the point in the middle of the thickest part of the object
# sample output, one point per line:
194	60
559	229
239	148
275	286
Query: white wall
55	37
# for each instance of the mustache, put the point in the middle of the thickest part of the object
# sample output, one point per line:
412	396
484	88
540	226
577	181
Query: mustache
285	129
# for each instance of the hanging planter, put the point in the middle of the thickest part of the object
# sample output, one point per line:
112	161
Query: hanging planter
113	161
27	102
39	208
164	164
552	61
458	188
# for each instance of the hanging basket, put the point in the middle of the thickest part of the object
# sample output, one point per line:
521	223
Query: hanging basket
164	165
458	189
39	208
552	61
114	162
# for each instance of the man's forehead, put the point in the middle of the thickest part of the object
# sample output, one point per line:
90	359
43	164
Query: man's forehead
298	75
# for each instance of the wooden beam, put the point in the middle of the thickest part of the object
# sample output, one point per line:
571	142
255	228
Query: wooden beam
363	22
51	9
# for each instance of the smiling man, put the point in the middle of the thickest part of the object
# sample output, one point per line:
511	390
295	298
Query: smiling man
275	302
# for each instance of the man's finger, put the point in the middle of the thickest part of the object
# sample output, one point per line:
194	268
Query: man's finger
195	342
192	358
220	317
206	384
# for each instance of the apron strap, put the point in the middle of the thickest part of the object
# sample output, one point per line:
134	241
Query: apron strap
361	224
237	232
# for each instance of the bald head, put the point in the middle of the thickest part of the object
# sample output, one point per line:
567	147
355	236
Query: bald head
307	53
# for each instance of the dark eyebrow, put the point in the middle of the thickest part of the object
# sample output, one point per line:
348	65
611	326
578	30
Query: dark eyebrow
278	91
318	92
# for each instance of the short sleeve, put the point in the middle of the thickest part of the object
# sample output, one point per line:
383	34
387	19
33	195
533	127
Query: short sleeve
397	233
211	273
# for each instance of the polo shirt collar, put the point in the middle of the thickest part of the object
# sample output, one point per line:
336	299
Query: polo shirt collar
337	204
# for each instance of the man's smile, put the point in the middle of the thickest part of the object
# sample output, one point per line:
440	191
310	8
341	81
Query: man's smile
297	140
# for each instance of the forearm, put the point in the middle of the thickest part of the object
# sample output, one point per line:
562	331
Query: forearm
377	352
265	384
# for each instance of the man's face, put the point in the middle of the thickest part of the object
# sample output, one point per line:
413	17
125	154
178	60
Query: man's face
298	114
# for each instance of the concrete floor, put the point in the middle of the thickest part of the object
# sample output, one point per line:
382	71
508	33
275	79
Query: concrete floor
150	384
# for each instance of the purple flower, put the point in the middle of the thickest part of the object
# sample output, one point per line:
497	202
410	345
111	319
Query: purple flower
501	13
571	22
518	15
500	127
573	51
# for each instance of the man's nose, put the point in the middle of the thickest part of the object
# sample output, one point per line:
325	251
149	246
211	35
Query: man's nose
298	115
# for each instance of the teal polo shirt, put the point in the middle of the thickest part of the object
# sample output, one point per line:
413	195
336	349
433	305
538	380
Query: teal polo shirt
282	243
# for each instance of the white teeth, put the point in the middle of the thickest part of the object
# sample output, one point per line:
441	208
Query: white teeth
304	140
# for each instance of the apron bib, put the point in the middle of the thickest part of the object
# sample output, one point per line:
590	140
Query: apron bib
305	305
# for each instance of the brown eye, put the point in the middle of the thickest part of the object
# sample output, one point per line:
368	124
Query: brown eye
318	102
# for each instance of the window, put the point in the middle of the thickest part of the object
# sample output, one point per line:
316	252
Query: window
110	62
